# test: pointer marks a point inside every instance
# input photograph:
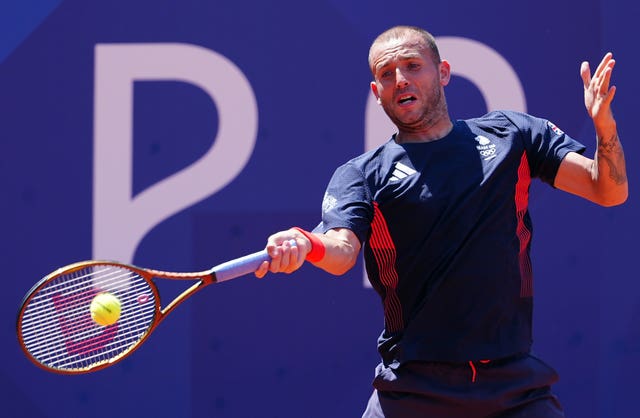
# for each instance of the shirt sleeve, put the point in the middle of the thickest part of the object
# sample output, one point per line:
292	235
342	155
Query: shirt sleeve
347	202
546	145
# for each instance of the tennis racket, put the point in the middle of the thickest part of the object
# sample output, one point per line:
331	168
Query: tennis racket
55	326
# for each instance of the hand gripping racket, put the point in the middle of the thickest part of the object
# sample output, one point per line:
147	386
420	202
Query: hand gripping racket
55	326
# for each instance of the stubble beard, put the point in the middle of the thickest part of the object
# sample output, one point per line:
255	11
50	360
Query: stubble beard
429	115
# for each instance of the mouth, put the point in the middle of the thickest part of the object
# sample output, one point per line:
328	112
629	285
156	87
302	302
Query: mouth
406	99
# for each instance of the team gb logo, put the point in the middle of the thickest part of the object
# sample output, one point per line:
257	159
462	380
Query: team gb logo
486	149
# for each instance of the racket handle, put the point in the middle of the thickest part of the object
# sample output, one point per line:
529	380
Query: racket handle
240	266
243	265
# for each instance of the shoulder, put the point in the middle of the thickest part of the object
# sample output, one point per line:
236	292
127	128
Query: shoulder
513	121
374	159
504	118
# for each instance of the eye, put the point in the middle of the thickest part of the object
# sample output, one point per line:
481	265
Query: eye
413	66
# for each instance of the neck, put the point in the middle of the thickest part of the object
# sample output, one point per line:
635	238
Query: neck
431	133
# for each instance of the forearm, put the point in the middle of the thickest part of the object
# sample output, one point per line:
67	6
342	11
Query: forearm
340	248
607	182
609	168
335	252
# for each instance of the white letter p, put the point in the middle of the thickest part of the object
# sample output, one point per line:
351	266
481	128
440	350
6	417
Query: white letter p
120	220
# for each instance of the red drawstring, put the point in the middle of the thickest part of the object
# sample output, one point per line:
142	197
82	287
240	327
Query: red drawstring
474	372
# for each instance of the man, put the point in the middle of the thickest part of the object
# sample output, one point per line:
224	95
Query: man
440	211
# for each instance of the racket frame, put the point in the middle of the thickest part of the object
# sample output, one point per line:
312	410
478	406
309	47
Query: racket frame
202	279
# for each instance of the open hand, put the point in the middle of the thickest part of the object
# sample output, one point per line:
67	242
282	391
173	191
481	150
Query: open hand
598	94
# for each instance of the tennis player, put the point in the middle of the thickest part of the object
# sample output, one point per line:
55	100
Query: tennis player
440	211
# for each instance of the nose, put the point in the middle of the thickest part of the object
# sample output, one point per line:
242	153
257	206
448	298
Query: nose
401	80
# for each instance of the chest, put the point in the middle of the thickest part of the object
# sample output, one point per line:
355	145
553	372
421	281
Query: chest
463	175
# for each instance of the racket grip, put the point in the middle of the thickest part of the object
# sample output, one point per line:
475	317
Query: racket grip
240	266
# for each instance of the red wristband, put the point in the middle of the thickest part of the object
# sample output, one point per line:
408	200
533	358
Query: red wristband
317	247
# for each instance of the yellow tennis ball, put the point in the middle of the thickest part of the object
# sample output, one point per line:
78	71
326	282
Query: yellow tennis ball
105	308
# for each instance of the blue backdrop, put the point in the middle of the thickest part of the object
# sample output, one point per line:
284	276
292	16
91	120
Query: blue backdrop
177	135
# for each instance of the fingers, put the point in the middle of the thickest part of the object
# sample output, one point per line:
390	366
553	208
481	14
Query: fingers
603	71
284	256
604	78
585	73
262	270
607	62
610	95
598	92
602	75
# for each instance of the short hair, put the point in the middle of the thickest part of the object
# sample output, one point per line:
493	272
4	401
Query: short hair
401	32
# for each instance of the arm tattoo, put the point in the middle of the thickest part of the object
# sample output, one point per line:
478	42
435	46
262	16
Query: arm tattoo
610	151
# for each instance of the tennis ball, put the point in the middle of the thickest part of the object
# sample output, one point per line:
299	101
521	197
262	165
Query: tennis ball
105	308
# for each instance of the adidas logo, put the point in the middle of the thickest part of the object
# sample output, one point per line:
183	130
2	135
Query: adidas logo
401	171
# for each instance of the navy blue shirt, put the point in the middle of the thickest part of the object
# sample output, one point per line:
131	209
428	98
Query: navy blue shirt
446	234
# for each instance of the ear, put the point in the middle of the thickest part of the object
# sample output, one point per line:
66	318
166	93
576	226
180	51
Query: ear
374	89
445	72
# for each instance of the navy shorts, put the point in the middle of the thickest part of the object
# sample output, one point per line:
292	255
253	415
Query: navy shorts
516	387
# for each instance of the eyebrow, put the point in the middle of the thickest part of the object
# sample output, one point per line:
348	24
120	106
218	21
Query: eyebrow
401	58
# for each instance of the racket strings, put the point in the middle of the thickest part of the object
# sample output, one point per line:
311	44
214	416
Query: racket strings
76	342
83	336
57	328
70	297
74	308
